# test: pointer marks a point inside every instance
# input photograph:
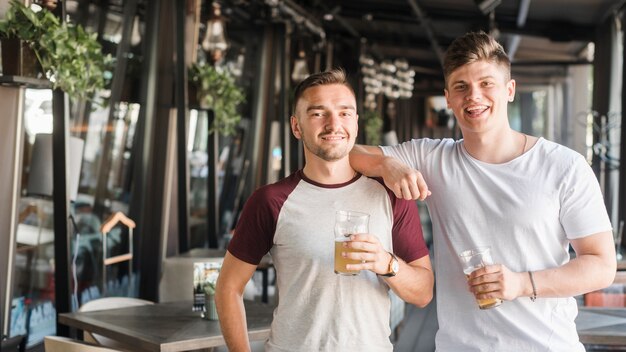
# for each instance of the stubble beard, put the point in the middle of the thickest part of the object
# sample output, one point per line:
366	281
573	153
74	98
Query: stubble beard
327	154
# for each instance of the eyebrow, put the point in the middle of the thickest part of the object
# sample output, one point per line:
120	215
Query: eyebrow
480	79
323	107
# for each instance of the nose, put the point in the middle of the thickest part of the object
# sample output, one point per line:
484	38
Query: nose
473	93
333	122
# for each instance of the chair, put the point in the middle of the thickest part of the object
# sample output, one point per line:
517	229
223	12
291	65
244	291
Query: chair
13	344
104	304
64	344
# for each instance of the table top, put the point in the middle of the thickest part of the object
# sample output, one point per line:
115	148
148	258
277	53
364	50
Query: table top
601	326
266	261
166	327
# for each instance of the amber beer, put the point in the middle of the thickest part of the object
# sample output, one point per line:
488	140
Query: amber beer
348	223
474	259
341	262
485	303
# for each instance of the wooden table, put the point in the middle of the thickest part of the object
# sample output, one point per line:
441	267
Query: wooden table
602	326
166	327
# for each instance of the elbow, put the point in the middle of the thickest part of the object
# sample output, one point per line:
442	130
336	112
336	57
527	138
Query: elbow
423	300
610	272
225	293
606	272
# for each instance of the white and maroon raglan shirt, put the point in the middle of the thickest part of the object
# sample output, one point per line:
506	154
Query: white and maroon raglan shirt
319	310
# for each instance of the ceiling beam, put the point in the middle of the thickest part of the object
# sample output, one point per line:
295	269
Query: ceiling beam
514	40
428	28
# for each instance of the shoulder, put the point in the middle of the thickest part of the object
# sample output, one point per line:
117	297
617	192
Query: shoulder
557	154
431	143
396	202
279	189
423	147
271	197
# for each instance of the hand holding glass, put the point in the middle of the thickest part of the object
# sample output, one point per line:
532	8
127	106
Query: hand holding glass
348	223
476	258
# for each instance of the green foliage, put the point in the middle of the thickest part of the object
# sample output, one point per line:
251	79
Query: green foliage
219	92
71	58
209	288
373	123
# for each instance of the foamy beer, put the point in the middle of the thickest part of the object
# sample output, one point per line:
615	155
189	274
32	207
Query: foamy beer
348	223
476	258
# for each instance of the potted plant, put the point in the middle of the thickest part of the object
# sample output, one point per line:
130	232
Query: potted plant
210	310
217	90
70	57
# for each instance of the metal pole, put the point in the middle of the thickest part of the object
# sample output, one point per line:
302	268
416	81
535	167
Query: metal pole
213	223
181	129
60	200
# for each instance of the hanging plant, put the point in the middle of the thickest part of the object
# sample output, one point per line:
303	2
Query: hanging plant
373	124
217	90
71	58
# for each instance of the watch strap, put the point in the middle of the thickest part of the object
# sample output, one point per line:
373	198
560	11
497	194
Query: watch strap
391	271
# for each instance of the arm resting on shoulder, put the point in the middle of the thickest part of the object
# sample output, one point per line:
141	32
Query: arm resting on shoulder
367	160
231	283
405	182
414	282
593	269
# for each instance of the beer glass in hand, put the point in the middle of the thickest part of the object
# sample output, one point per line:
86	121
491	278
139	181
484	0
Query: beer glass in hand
348	223
476	258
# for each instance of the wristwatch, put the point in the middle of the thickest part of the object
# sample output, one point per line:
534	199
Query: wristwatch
394	266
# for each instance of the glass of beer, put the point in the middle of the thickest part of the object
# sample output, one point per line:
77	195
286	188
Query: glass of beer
476	258
348	223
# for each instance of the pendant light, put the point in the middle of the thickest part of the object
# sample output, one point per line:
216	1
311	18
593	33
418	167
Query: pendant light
214	42
300	68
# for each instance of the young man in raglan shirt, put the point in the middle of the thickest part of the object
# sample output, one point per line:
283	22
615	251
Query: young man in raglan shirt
294	218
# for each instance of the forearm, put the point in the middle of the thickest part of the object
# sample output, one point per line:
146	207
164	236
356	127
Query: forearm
413	284
367	160
583	274
232	317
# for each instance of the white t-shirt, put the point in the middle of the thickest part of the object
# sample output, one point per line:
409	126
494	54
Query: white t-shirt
527	210
319	310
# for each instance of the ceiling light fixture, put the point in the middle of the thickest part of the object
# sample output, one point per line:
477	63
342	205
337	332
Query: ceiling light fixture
300	68
214	42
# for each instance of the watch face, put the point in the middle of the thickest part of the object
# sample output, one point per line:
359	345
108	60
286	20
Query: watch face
395	266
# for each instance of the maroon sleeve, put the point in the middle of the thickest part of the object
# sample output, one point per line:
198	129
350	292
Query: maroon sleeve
408	239
254	233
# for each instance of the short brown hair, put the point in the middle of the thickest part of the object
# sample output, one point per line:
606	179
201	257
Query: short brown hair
334	76
473	47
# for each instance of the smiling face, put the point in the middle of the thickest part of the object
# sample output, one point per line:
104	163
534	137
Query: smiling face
478	94
326	121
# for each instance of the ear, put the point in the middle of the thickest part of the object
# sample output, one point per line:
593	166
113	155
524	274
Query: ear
510	87
445	93
295	129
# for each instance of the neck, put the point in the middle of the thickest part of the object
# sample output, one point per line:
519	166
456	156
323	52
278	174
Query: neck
495	147
329	172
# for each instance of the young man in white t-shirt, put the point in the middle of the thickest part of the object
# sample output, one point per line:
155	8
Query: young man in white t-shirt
527	198
293	219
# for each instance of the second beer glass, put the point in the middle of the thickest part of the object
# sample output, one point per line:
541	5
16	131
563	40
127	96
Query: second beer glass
348	223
